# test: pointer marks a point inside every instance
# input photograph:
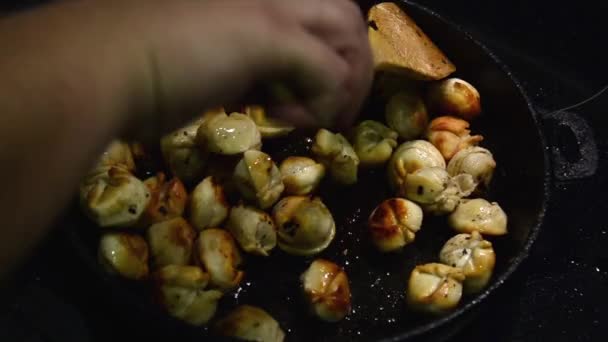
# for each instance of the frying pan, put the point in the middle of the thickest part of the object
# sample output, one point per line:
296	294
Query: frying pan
521	185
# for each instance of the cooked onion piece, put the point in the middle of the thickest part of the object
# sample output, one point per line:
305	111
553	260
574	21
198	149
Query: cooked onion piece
450	135
409	157
406	113
182	292
474	255
182	154
124	254
253	229
171	242
305	226
114	198
208	206
258	178
434	288
479	215
336	153
394	223
249	323
117	153
373	142
475	161
229	134
301	175
327	291
454	96
268	127
167	199
220	257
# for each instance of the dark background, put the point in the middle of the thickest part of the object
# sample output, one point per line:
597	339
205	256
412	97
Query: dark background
558	52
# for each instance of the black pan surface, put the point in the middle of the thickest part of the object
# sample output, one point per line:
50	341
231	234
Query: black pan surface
378	281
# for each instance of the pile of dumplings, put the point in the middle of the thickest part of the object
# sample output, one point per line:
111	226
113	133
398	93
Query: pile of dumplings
184	230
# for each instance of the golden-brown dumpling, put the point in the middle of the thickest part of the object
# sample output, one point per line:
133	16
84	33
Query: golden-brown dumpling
114	198
181	152
301	175
475	161
124	254
268	127
434	288
450	135
182	292
327	290
258	178
474	255
171	242
249	323
373	142
117	153
406	113
208	205
409	157
305	226
336	153
479	215
229	134
394	223
167	199
220	257
454	96
253	229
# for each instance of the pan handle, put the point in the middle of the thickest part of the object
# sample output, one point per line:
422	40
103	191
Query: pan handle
572	144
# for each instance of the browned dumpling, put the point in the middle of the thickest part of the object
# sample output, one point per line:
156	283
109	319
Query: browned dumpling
229	134
171	242
475	161
301	175
450	135
474	255
394	223
208	205
434	288
337	154
406	114
479	215
182	291
220	257
253	229
258	179
124	254
327	290
118	154
182	154
167	199
249	323
409	157
454	96
373	142
305	226
114	197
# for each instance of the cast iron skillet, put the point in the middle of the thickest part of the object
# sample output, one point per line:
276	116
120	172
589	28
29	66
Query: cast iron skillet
378	282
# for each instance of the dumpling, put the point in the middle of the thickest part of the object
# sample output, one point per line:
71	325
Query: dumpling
394	223
305	226
182	292
253	229
220	257
479	215
373	142
301	175
327	290
208	205
450	135
409	157
454	96
475	161
336	153
114	198
181	153
268	127
258	179
167	199
229	134
171	242
474	255
124	254
117	153
249	323
406	113
434	288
